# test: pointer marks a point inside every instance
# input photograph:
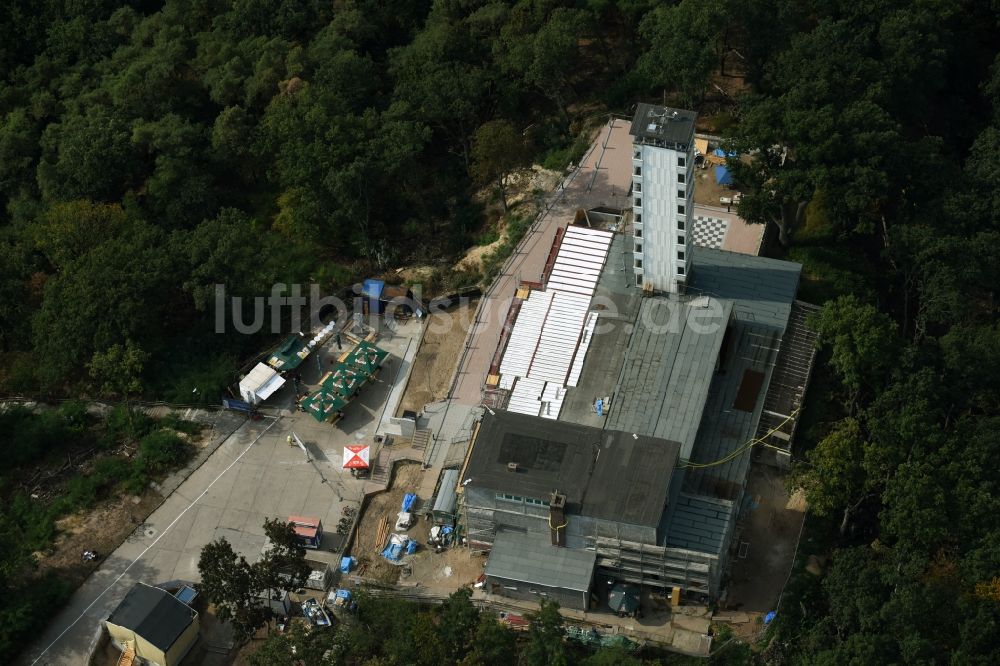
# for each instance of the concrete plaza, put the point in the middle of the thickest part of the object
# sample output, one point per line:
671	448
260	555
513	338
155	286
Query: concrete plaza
253	474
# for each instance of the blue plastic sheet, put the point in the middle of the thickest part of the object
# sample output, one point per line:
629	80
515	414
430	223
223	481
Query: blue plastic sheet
411	547
344	594
346	564
393	551
408	500
769	617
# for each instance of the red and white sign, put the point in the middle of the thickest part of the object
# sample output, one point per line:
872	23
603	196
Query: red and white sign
357	456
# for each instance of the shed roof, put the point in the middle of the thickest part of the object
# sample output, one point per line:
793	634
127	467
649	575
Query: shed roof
447	499
155	614
529	558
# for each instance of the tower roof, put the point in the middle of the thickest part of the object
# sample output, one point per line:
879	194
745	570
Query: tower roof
663	126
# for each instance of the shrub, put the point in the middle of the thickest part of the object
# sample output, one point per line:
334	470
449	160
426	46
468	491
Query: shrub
160	451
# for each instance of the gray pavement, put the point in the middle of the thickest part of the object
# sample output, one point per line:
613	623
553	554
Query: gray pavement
253	474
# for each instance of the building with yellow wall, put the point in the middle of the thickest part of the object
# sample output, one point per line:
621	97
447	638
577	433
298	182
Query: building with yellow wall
161	628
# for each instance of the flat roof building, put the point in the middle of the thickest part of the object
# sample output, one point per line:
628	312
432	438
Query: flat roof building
675	384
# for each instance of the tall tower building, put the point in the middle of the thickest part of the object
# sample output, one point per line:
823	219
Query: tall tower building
662	196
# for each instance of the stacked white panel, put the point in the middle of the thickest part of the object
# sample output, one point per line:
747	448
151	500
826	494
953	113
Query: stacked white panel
581	351
524	336
526	398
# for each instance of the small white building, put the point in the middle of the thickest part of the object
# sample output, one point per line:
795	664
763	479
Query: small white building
260	383
662	196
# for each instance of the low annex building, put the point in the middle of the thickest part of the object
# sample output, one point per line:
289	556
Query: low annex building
154	626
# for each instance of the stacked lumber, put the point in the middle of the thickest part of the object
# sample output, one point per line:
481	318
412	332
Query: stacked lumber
381	534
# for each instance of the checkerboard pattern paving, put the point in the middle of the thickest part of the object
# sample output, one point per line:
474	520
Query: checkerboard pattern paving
708	231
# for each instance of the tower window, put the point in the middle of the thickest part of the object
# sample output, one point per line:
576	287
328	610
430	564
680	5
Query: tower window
680	161
638	263
681	194
638	233
638	202
680	255
680	270
680	225
638	247
680	240
681	178
680	209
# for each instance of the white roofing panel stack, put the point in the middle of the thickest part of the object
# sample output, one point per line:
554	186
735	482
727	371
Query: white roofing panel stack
581	352
559	338
539	360
552	399
526	398
524	336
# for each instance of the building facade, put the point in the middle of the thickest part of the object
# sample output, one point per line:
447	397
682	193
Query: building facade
662	196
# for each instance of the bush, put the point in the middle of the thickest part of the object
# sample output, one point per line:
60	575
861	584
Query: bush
161	451
126	425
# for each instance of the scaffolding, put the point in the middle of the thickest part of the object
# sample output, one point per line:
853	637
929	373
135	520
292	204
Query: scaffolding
787	389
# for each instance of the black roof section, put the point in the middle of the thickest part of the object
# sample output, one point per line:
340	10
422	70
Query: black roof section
604	474
663	126
155	614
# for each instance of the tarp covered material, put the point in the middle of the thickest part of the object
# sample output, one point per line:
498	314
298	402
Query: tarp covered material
372	288
719	152
394	550
346	563
411	547
408	500
357	456
289	354
722	176
260	383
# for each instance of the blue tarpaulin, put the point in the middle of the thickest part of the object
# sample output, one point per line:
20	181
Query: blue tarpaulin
344	594
372	289
408	500
411	547
722	176
719	152
346	563
393	551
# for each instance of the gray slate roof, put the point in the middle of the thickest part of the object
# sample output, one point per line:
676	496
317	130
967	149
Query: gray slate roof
762	288
664	125
605	474
530	558
699	523
668	369
155	614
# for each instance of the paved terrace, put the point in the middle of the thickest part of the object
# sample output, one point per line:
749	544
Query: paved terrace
602	179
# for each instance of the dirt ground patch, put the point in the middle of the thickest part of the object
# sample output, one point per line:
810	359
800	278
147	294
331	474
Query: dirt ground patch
707	191
435	361
770	533
370	563
445	572
102	529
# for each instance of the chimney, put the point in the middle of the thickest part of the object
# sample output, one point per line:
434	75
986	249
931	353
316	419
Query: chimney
557	518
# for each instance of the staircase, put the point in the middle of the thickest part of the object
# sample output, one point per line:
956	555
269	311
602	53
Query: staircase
127	657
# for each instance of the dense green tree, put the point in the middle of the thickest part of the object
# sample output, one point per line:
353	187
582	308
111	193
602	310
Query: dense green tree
545	637
498	150
685	46
493	644
229	582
